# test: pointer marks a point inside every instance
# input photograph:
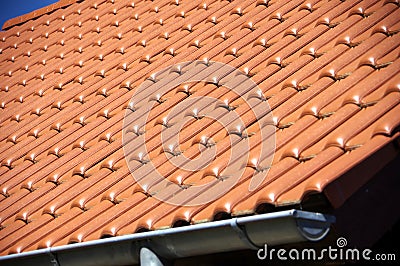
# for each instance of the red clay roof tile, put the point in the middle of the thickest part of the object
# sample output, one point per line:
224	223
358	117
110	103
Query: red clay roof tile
328	69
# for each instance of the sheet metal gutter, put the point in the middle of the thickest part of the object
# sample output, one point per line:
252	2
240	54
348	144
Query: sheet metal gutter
249	232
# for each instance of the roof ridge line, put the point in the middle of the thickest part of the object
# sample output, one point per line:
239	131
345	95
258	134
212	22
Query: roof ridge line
36	13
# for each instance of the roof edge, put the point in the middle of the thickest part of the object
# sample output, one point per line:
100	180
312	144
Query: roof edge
37	13
239	233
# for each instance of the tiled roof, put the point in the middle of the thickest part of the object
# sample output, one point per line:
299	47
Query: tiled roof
329	69
37	13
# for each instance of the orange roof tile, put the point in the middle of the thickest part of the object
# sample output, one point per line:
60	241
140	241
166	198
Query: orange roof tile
329	71
37	13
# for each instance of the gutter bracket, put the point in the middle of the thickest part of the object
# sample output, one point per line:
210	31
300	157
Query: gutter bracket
242	234
53	259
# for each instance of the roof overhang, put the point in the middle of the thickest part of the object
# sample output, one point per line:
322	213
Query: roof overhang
250	232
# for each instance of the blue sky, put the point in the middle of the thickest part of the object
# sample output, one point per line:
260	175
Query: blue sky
14	8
